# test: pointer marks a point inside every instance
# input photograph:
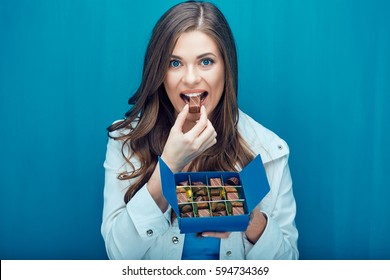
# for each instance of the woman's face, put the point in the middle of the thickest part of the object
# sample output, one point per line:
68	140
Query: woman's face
196	68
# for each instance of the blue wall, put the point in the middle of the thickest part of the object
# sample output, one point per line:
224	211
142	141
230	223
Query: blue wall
316	72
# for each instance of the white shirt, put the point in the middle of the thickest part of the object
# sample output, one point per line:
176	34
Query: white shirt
140	230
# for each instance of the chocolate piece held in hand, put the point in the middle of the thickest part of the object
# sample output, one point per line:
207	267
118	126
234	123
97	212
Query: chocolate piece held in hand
194	104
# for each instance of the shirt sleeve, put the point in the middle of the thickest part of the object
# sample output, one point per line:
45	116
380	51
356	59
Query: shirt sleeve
279	239
129	230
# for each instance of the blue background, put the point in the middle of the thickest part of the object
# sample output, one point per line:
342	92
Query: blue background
315	72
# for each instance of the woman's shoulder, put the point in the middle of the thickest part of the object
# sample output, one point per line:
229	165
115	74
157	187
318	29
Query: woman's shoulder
261	140
123	131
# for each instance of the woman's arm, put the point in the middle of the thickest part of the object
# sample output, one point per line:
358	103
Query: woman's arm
279	238
129	230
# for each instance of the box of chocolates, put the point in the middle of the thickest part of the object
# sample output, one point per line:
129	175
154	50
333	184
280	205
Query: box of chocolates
214	201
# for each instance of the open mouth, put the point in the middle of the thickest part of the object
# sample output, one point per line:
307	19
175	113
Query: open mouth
187	96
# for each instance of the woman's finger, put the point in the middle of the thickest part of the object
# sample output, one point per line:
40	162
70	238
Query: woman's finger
208	133
222	235
181	118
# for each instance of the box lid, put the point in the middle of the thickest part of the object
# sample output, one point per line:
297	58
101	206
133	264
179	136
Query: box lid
169	180
255	182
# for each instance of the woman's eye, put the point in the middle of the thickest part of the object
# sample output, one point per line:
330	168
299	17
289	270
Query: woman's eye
206	62
174	63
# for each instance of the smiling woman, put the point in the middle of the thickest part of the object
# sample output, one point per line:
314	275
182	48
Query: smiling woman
185	111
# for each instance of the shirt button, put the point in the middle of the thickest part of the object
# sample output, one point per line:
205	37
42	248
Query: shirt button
228	253
149	232
175	240
280	147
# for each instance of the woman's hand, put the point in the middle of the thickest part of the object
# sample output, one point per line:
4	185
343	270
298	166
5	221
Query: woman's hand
256	226
253	232
222	235
182	148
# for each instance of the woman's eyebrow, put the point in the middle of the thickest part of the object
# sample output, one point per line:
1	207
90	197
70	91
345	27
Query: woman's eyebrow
206	54
199	56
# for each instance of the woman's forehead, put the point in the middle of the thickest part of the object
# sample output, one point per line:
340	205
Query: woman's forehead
194	44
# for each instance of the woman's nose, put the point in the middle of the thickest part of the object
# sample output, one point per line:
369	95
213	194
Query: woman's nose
191	76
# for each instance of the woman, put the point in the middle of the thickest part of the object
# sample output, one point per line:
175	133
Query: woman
191	54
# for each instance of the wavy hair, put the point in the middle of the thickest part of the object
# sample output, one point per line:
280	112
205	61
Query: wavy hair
148	122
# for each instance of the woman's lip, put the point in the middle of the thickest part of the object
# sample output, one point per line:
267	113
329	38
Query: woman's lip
186	97
194	91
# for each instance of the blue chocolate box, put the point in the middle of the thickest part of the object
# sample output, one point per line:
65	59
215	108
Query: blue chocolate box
251	188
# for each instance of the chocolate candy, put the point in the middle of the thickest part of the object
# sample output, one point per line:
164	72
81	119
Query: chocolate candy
202	205
219	209
186	211
203	213
232	181
215	182
182	197
231	193
232	196
237	211
187	215
215	191
220	213
199	190
230	189
194	104
201	198
183	194
237	208
200	194
184	183
203	209
198	183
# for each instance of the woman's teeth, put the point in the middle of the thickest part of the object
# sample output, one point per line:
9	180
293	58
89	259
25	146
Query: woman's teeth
188	96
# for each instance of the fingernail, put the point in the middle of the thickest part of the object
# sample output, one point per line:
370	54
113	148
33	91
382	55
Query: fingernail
205	235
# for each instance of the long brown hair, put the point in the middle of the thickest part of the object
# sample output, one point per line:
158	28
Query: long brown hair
153	114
